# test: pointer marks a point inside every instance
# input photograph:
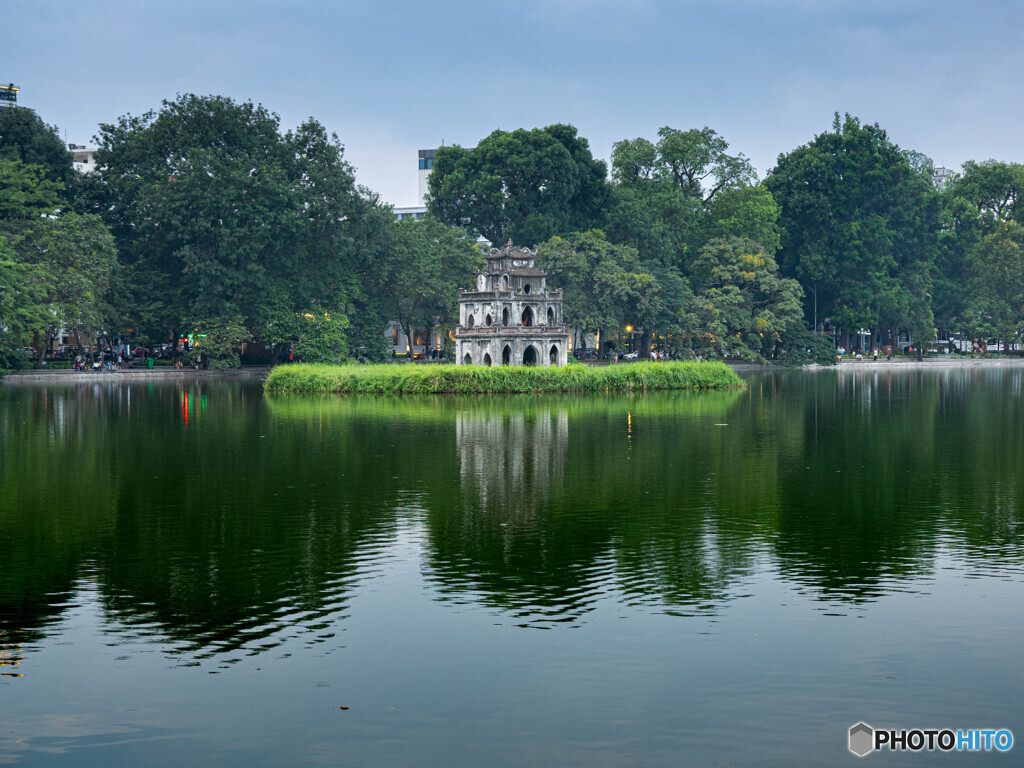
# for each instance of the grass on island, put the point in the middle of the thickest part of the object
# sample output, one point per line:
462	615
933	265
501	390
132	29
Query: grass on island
472	379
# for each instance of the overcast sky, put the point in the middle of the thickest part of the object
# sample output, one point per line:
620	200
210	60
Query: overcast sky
944	78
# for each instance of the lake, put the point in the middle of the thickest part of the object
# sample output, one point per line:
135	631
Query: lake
194	573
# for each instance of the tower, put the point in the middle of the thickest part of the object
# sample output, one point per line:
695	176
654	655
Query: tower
510	317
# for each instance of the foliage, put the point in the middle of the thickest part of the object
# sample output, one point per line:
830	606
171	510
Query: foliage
25	193
801	346
604	285
321	336
856	221
22	293
748	212
524	185
996	306
219	214
693	161
420	273
469	379
218	341
25	138
994	188
742	305
56	268
76	257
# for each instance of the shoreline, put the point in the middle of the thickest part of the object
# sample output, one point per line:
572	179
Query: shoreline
70	376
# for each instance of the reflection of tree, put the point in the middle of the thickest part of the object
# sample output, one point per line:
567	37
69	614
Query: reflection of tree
895	467
251	522
229	532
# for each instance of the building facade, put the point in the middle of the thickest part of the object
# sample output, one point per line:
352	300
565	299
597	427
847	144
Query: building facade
510	317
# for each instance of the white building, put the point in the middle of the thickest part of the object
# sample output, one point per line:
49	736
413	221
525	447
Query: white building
83	158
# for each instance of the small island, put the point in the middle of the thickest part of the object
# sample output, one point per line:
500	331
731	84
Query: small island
472	379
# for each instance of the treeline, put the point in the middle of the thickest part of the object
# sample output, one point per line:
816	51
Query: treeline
206	217
847	232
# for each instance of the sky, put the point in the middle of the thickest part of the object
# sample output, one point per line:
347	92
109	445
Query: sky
390	77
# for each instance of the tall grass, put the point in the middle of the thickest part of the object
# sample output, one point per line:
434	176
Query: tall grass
471	379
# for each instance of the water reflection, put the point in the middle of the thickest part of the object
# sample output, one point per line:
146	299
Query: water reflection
228	524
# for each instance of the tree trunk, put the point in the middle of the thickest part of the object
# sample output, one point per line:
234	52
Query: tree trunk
645	345
407	330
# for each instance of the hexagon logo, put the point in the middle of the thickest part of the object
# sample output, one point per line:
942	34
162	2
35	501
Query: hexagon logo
862	738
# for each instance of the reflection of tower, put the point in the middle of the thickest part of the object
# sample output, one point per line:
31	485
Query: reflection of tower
512	459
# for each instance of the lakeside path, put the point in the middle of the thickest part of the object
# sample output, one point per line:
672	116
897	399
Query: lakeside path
69	376
933	363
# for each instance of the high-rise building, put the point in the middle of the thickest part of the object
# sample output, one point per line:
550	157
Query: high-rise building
426	166
8	96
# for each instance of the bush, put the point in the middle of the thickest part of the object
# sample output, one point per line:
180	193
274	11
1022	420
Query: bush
12	358
802	347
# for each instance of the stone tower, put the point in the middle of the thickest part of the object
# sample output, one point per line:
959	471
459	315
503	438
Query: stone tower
511	318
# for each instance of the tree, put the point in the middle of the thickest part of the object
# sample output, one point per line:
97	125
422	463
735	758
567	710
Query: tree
996	189
697	163
218	341
26	194
663	192
421	272
996	306
523	185
57	267
22	295
980	207
748	212
24	137
76	257
857	221
742	305
220	215
603	284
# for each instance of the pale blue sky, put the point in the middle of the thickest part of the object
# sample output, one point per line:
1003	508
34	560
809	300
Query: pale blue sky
944	78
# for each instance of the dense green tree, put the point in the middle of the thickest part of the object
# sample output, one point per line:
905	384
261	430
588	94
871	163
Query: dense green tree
604	285
421	272
960	230
22	296
976	246
217	341
26	194
996	304
663	192
742	305
218	214
696	161
57	268
749	212
76	257
996	189
859	227
522	185
26	138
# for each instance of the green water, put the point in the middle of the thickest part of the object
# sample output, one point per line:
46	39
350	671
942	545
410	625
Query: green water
193	573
